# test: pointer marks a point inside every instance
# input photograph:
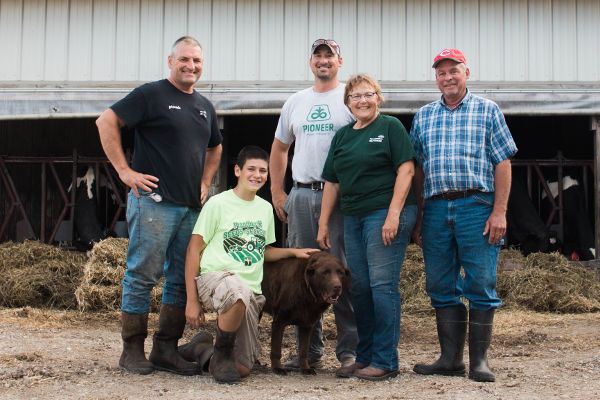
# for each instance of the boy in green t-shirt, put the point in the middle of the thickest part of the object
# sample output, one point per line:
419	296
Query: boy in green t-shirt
229	243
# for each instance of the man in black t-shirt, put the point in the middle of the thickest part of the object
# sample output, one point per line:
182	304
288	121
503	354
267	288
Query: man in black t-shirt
177	150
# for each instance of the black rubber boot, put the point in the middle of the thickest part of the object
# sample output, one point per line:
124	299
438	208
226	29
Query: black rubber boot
222	363
452	331
480	335
164	355
199	350
134	329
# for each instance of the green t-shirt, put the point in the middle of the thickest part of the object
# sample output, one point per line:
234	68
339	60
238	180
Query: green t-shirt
364	162
236	233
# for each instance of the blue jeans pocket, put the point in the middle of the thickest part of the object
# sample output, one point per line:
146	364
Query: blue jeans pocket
486	198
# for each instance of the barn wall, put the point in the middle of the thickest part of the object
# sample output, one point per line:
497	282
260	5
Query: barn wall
268	40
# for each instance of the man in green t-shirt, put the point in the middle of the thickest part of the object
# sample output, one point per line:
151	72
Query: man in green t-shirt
230	243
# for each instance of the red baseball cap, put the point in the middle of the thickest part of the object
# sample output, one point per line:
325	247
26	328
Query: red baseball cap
449	54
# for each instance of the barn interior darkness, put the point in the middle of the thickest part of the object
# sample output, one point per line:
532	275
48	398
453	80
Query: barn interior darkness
540	138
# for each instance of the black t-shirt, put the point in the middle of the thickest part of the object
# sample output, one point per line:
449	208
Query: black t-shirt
172	131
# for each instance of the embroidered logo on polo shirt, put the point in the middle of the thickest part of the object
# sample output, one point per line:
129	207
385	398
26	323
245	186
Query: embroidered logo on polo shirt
174	107
377	139
203	113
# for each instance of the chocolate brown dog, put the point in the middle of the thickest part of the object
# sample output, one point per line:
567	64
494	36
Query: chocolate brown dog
298	291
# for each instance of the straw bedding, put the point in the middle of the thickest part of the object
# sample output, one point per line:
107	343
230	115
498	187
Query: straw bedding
38	275
35	274
100	287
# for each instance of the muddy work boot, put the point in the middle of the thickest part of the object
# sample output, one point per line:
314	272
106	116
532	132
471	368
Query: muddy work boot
222	363
452	331
164	355
480	335
134	330
198	350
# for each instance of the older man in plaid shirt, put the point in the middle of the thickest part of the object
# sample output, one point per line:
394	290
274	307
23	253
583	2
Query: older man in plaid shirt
463	151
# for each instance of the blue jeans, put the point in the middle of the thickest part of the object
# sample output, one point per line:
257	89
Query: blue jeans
303	207
375	272
158	237
453	237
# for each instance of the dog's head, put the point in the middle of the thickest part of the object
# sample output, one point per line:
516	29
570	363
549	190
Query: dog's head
326	276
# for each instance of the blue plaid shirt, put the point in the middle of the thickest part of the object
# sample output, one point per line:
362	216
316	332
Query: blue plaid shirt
459	148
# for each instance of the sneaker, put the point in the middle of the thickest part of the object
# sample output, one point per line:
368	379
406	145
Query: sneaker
292	365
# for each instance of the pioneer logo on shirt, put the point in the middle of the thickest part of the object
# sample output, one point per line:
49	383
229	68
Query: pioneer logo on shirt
318	114
171	107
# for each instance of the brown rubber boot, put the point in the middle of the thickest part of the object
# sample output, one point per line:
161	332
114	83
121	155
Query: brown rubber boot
134	329
480	335
199	350
222	363
452	332
164	355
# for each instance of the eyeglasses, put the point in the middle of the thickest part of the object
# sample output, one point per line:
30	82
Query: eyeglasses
358	96
328	42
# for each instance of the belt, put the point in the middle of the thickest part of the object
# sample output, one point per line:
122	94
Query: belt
317	185
455	195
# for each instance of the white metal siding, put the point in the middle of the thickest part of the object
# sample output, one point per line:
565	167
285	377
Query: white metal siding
104	23
79	58
418	57
10	39
293	42
588	44
467	23
127	46
393	40
32	53
270	36
268	40
56	49
516	53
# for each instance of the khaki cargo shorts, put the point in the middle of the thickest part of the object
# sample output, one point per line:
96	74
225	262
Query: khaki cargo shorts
219	291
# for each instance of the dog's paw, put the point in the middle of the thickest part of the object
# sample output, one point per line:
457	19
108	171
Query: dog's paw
279	371
309	371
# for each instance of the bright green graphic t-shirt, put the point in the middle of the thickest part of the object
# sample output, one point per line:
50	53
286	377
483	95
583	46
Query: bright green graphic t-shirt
236	232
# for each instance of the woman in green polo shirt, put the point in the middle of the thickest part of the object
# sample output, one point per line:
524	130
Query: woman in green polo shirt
369	169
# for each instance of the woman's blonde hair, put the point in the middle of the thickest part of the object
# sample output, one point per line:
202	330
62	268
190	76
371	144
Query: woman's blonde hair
356	80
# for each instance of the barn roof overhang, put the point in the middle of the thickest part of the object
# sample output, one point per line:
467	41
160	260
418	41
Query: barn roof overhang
28	100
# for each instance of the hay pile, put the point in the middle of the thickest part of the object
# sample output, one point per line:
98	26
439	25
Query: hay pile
38	275
100	287
412	282
550	283
511	256
546	282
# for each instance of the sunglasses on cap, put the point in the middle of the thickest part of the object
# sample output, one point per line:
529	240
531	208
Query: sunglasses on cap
327	42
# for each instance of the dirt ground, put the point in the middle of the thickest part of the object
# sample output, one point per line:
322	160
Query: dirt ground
59	355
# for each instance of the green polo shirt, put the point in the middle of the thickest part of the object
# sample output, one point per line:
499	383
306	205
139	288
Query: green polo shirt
364	162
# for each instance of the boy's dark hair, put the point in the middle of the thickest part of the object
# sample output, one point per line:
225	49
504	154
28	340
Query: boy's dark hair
251	152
